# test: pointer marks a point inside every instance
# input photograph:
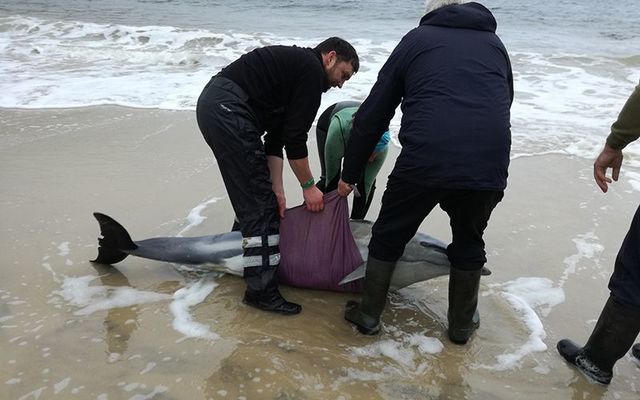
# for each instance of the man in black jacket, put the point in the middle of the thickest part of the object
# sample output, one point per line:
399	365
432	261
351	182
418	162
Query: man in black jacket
453	77
274	90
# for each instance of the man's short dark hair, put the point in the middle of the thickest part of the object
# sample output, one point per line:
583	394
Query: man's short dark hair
344	51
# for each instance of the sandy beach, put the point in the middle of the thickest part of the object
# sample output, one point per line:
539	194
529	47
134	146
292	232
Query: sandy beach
551	245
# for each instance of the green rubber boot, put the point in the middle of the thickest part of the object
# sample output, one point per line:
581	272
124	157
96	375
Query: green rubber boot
463	314
366	314
610	340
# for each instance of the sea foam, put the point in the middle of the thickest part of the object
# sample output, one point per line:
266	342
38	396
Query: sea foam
564	102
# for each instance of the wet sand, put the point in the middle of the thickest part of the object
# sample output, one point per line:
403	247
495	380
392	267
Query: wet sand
150	168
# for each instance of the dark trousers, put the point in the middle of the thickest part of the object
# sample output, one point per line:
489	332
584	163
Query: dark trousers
229	127
625	280
406	205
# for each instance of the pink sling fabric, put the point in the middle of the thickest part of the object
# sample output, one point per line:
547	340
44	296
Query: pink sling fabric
317	250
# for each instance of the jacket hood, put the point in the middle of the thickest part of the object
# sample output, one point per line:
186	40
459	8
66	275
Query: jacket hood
466	16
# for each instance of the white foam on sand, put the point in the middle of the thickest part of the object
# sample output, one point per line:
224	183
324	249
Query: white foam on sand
526	295
186	298
587	247
398	354
194	217
60	386
564	102
403	349
80	293
159	389
64	249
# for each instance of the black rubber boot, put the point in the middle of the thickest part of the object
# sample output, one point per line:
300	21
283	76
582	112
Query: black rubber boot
366	314
611	338
262	292
635	351
463	314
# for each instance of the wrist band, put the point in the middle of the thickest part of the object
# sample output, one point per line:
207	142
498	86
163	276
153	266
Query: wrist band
308	184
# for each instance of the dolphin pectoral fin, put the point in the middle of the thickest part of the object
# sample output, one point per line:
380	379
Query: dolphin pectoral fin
358	273
485	271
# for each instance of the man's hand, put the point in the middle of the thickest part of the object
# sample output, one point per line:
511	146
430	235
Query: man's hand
344	189
608	158
313	198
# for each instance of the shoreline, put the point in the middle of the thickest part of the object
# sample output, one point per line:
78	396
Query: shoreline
150	168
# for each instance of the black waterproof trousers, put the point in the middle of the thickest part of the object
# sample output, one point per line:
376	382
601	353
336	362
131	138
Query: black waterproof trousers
406	205
231	130
625	280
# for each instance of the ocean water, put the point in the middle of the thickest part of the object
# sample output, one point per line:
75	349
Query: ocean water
575	62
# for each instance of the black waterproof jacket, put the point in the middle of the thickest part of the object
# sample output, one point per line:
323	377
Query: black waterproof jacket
453	77
284	85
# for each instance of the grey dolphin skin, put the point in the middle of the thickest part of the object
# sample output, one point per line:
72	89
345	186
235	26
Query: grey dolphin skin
424	257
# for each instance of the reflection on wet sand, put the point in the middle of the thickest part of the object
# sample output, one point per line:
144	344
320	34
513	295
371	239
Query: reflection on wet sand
583	389
121	322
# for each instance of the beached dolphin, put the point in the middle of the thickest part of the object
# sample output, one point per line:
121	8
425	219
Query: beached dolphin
424	257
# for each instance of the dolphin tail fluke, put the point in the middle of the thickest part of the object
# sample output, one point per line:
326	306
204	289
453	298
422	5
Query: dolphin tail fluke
114	241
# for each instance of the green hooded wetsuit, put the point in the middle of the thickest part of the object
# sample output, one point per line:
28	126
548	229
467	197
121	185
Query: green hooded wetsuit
337	138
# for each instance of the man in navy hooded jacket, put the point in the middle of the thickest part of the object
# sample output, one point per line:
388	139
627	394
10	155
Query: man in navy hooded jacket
453	79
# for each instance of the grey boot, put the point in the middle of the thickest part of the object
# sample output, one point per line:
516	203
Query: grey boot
366	314
611	338
463	314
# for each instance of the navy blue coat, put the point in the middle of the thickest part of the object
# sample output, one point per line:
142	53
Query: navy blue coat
453	76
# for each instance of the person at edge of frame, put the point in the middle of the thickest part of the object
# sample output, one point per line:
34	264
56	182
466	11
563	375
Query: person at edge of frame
619	322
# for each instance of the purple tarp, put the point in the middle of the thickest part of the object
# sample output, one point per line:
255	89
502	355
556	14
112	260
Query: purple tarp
317	250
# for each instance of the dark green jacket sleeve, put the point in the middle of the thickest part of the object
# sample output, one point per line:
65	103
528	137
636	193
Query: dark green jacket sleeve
626	129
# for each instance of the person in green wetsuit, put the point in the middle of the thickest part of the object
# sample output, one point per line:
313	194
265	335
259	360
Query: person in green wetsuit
332	133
